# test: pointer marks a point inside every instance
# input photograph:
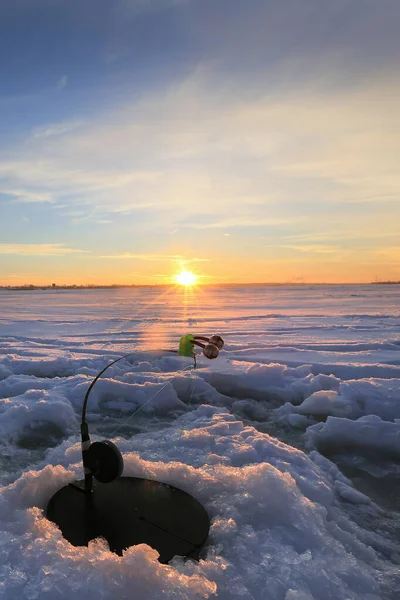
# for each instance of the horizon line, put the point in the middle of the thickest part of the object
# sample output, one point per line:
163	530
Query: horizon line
220	284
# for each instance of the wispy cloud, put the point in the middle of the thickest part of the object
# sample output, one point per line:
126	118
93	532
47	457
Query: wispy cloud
62	82
390	254
155	257
342	236
239	222
55	129
314	248
27	195
38	249
182	150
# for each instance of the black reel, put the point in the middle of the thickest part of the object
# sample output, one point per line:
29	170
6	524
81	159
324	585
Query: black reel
104	461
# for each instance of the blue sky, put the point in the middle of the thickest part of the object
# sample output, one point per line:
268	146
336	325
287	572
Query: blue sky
249	140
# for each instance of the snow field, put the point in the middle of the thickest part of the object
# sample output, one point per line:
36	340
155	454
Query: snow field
321	366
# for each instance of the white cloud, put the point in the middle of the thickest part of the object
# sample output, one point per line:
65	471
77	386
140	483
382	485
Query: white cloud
318	248
389	254
239	222
21	275
55	129
156	257
342	235
62	82
20	195
38	249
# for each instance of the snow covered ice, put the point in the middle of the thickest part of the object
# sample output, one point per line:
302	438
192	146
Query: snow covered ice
291	439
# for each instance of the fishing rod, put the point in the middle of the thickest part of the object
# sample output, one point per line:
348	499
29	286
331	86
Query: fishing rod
127	511
103	460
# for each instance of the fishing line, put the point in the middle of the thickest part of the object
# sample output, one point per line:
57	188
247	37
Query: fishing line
147	402
192	382
186	348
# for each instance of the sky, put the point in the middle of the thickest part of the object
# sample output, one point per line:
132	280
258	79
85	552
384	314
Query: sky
243	140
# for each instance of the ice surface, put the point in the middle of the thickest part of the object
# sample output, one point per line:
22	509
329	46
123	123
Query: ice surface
307	373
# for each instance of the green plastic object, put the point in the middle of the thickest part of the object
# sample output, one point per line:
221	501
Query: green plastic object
186	345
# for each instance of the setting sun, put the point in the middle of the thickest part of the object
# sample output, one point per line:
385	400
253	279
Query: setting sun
186	278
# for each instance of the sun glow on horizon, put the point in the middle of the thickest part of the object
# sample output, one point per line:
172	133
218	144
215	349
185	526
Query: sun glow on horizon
186	278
